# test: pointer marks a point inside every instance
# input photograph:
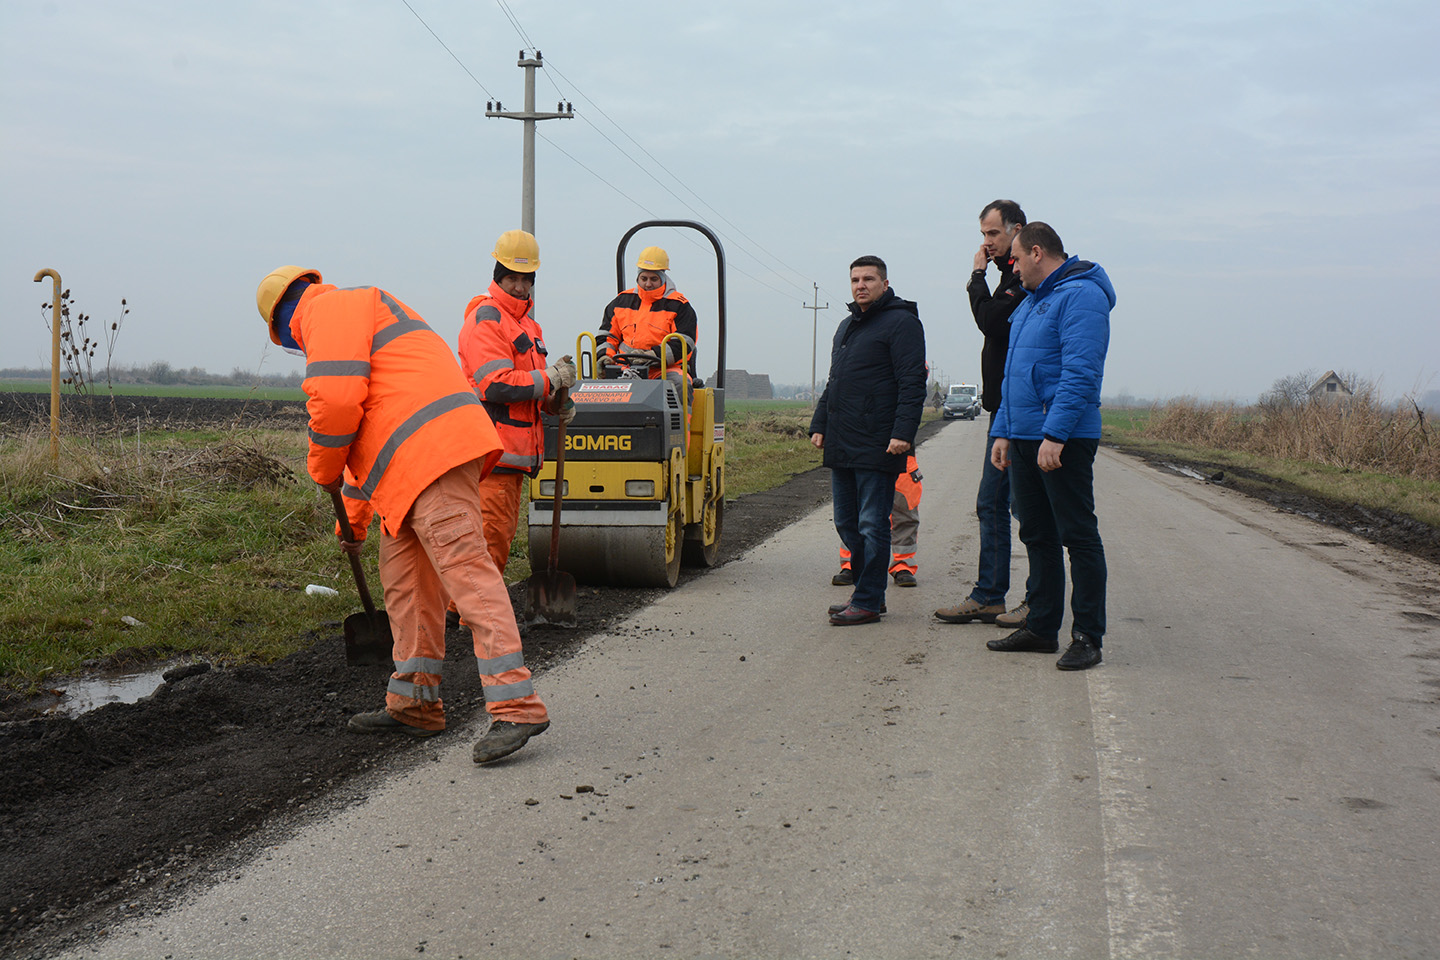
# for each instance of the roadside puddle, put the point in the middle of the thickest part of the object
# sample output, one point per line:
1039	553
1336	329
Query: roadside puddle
83	694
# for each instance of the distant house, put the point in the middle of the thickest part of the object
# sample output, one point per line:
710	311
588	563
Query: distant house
740	385
1329	388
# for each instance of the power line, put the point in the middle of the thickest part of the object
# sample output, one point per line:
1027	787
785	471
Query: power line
520	31
447	49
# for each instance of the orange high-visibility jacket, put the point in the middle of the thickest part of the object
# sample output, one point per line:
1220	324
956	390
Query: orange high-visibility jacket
641	318
389	406
503	353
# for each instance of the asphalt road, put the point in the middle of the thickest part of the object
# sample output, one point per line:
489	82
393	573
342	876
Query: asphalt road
1253	771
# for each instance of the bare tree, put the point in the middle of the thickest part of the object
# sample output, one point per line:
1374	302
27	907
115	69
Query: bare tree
1289	392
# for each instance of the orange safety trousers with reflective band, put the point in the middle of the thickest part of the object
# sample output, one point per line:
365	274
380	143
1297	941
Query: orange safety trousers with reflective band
388	404
502	351
439	550
904	521
499	517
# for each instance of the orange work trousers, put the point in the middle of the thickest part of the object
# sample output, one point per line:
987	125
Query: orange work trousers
439	553
499	517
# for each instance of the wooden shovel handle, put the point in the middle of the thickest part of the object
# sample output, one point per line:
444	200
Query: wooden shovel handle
359	571
553	567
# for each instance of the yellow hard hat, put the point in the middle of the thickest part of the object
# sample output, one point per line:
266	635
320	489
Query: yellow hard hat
653	258
273	287
518	250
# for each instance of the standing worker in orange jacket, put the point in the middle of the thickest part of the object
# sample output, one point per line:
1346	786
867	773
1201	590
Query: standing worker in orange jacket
395	428
904	531
502	351
638	320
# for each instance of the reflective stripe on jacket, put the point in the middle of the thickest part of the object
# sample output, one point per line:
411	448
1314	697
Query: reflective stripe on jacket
388	405
642	318
502	351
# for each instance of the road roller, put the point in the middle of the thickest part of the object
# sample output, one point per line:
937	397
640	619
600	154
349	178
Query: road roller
644	480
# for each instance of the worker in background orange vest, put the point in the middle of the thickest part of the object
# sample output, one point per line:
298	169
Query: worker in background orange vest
637	320
396	430
904	531
502	351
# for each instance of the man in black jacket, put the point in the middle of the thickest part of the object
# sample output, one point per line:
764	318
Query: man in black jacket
1000	221
865	421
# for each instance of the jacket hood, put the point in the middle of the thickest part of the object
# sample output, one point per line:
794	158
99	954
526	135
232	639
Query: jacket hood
665	289
1076	270
890	300
511	305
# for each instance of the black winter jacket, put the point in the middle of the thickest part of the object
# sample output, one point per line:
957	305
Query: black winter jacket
876	387
992	316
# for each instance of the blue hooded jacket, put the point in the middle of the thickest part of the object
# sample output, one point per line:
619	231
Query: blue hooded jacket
1058	338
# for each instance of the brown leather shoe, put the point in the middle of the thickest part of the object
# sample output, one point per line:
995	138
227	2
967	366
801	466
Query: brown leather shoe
970	611
1015	617
852	615
837	607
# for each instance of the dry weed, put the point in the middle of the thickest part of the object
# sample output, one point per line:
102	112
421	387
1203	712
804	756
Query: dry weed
1359	433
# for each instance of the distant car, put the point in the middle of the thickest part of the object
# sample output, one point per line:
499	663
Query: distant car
961	403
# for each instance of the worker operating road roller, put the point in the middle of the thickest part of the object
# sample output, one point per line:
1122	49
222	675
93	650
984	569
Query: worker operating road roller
638	319
396	429
502	351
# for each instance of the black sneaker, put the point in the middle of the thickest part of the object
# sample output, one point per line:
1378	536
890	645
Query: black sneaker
380	721
845	578
504	738
1023	641
1082	654
904	578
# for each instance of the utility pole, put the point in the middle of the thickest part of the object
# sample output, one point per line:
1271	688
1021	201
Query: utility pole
563	111
814	334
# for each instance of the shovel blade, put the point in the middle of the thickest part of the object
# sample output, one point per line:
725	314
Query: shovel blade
368	641
550	598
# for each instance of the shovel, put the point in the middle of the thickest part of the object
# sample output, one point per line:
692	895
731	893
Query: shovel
367	635
550	595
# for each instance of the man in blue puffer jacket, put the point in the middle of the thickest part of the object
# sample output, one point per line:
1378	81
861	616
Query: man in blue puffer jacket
865	421
1048	428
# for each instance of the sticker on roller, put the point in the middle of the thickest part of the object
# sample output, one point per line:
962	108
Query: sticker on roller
603	392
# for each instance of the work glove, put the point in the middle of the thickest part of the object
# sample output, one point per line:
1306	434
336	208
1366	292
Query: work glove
561	373
567	411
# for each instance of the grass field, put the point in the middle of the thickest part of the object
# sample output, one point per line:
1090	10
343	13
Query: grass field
208	538
157	390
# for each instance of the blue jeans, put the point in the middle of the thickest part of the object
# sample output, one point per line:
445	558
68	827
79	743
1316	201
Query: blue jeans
992	506
1057	513
862	501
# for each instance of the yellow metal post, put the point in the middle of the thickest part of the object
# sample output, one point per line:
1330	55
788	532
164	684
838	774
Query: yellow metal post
54	363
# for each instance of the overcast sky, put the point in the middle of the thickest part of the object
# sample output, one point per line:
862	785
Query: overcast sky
1259	179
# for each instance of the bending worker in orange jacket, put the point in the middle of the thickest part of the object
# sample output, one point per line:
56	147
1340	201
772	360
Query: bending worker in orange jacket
395	428
502	351
639	318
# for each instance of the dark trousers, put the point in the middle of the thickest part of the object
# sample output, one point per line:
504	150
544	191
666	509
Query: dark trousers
992	507
1057	512
862	501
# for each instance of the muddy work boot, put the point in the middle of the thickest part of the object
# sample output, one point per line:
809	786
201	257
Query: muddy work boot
904	578
380	721
969	611
504	738
1015	618
845	578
